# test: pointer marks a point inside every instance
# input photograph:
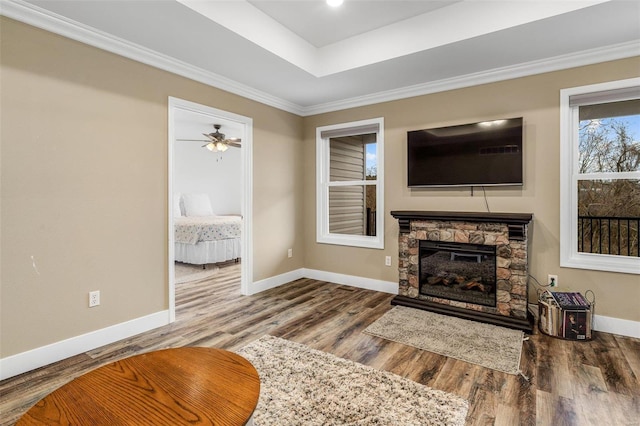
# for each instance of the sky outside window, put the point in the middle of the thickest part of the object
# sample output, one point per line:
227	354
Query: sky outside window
371	162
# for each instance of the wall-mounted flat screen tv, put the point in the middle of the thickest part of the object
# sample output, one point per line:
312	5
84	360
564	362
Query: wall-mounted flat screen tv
477	154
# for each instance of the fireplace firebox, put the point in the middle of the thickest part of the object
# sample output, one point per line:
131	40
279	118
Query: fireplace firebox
458	271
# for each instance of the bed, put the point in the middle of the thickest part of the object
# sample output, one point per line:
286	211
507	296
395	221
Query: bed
205	237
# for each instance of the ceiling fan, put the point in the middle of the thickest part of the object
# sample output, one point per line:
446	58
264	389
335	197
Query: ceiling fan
216	141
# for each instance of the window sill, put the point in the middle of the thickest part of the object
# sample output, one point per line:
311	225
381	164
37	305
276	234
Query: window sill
351	240
602	262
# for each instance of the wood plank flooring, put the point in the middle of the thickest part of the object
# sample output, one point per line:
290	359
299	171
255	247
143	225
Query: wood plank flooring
571	383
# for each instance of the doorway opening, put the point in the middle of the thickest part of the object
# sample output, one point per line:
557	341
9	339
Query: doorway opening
188	121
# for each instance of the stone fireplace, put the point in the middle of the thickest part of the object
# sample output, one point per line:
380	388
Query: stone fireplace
471	265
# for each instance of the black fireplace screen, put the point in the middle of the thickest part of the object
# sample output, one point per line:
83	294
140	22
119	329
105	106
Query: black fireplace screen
458	271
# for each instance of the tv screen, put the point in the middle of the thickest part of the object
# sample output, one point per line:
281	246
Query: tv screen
477	154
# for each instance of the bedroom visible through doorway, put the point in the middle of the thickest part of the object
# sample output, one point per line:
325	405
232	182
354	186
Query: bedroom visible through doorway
209	188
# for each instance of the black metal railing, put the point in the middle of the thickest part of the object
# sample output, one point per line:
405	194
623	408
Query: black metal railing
371	222
609	235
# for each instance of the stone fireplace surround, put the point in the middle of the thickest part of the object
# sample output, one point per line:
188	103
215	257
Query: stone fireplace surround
506	231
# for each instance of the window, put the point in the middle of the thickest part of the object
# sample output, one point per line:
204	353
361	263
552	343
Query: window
349	184
600	176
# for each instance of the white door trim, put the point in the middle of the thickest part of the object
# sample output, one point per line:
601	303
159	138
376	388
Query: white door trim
246	185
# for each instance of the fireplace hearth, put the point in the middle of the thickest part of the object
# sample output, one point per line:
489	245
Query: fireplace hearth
471	265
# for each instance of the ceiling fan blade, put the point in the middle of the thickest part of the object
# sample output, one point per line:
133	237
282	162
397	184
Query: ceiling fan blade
214	141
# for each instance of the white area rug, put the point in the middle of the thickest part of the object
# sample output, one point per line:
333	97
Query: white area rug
186	273
487	345
303	386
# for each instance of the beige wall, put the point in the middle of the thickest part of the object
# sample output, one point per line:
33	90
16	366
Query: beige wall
83	196
84	186
534	98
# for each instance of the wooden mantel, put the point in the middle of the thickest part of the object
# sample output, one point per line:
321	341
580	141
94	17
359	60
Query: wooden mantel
515	221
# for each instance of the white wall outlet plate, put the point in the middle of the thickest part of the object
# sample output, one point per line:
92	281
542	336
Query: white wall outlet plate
94	298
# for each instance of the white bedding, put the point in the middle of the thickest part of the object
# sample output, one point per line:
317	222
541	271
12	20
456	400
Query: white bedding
191	230
209	239
208	251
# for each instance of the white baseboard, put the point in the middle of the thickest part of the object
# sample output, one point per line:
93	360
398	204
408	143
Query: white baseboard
619	326
276	281
332	277
39	357
353	281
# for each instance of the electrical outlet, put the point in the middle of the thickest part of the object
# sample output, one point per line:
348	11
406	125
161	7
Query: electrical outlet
94	298
290	253
387	261
552	280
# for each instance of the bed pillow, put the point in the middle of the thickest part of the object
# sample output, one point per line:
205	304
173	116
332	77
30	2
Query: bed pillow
197	205
177	211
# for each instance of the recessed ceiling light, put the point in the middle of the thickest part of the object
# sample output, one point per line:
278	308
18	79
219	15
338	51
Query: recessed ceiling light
334	3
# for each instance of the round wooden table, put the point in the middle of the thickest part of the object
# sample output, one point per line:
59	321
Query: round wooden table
179	386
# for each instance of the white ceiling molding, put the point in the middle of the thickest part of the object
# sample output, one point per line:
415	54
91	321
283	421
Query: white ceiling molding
49	21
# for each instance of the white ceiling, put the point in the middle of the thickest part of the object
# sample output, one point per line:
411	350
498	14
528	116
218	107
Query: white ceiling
304	57
321	25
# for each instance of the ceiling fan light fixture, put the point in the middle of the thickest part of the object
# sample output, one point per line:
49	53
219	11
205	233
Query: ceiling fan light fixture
216	142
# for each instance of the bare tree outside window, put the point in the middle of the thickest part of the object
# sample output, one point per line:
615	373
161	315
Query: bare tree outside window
609	208
608	145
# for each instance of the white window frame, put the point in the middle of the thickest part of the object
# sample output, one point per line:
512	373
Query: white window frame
569	176
322	183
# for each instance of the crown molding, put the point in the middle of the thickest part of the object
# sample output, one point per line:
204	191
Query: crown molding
41	18
52	22
587	57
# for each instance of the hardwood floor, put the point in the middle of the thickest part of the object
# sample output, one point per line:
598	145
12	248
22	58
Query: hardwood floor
571	383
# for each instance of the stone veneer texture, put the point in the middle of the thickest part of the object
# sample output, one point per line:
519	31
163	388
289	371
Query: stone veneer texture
511	262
